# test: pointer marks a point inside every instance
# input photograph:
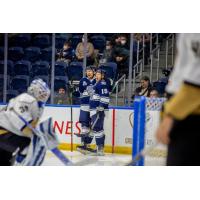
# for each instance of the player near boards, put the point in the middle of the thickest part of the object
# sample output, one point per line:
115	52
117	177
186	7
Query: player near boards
15	135
98	106
86	89
180	125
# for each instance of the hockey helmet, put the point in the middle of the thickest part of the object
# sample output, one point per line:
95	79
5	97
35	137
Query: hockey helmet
39	89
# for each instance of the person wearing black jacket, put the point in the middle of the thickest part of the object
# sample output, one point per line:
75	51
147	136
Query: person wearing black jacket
145	88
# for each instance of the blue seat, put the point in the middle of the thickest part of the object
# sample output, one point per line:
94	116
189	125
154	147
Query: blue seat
11	94
42	41
75	71
20	83
46	54
32	54
10	65
22	67
60	68
110	68
22	40
99	42
60	81
43	77
40	68
75	40
2	82
160	86
1	53
15	53
60	40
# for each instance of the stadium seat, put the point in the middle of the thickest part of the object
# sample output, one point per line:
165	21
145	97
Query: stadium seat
9	67
22	67
75	40
60	81
22	40
60	40
20	83
108	36
99	42
40	68
15	53
111	69
60	68
43	77
75	71
42	41
32	54
46	54
1	53
160	86
11	94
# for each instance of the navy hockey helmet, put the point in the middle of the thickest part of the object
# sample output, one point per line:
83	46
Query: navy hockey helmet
102	72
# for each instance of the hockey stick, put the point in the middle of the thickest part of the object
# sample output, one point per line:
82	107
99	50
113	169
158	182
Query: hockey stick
55	151
141	155
94	123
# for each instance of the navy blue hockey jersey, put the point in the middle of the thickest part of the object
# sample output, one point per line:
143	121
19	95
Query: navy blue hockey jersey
86	90
100	97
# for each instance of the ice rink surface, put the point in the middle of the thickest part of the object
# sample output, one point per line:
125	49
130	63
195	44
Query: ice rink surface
75	156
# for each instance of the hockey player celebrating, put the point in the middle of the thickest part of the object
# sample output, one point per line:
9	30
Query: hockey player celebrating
99	102
86	89
15	134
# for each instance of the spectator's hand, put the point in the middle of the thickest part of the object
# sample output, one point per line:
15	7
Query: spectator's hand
162	133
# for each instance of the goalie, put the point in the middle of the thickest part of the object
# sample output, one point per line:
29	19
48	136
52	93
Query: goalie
18	143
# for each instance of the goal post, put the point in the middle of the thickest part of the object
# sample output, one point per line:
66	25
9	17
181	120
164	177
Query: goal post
146	120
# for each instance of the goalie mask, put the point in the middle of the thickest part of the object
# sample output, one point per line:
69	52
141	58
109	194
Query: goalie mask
39	89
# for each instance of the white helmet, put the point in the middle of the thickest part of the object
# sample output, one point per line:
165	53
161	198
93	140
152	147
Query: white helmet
39	89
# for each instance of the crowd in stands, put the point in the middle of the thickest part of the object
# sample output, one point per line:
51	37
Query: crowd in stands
29	56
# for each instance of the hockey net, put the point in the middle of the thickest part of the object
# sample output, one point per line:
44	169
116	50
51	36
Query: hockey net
146	121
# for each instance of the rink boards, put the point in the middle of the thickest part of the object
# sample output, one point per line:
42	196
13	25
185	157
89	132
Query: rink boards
118	129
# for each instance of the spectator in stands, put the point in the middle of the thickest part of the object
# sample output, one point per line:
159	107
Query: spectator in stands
121	57
89	52
154	93
145	87
124	41
107	54
116	40
62	97
67	53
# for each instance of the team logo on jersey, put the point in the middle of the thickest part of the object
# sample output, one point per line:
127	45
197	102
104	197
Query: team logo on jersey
84	83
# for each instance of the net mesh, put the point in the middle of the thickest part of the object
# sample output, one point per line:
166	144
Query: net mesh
153	107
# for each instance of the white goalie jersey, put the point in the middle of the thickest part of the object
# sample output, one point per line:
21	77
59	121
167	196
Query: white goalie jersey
187	62
27	107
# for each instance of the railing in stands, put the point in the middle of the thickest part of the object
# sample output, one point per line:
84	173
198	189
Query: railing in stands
156	52
116	86
137	71
169	39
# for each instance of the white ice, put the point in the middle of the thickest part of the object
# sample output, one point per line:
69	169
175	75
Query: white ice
107	160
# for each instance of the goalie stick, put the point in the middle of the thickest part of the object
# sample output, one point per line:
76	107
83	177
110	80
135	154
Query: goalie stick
56	151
